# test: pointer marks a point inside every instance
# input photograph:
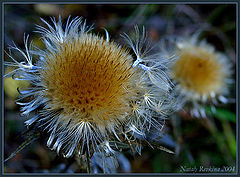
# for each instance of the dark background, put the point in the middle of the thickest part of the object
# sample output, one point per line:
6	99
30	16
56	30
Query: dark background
197	142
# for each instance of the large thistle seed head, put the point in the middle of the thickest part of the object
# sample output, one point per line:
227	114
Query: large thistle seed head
89	91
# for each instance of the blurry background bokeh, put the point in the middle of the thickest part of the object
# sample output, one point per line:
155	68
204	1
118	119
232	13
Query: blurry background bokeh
196	142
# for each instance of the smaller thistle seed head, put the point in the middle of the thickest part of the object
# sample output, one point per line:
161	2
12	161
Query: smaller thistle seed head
201	74
198	70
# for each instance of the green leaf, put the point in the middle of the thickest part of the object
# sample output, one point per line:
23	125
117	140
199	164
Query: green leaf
165	149
228	26
23	145
221	114
230	138
162	148
216	13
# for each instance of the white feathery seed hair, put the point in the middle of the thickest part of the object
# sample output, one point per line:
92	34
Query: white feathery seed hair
201	74
89	91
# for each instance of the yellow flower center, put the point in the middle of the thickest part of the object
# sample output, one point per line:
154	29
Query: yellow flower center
90	79
198	70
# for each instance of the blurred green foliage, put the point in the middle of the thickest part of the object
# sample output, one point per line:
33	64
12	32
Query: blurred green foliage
222	114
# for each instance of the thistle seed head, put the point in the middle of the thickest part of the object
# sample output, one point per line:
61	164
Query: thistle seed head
90	79
90	92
